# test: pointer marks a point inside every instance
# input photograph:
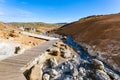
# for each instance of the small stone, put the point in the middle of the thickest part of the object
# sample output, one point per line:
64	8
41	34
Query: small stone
64	46
74	72
53	73
71	66
55	45
82	71
17	49
74	56
67	77
86	78
75	78
80	78
46	77
62	67
66	68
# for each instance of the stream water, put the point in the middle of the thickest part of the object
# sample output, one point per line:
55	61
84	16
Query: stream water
86	57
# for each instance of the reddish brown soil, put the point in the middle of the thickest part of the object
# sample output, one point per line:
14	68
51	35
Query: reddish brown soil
101	31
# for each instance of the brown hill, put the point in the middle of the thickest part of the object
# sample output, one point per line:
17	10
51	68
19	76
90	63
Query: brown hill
102	33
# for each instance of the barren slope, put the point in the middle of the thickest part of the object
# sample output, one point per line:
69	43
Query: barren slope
100	34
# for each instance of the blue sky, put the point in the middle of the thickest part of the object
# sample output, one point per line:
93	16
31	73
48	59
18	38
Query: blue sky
54	11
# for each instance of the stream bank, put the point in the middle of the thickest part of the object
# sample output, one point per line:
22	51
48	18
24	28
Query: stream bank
84	56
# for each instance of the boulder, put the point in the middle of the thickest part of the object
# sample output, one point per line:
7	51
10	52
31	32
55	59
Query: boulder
53	62
66	53
80	78
74	72
53	73
101	75
66	68
114	76
46	77
64	46
97	64
35	73
54	51
70	65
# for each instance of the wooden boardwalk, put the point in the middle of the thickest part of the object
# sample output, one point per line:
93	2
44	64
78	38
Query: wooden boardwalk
13	68
39	36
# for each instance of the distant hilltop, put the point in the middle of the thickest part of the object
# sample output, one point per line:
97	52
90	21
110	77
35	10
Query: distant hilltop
34	24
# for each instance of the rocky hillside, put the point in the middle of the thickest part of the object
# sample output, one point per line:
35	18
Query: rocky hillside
99	35
61	62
